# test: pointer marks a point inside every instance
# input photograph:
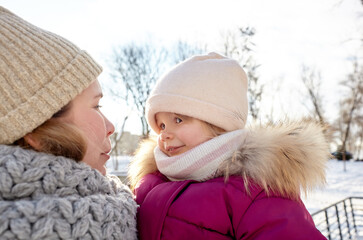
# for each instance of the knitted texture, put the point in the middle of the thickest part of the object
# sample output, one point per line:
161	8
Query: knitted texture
47	197
40	72
210	87
202	162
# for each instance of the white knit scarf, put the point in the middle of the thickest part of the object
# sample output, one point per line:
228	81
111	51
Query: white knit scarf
200	163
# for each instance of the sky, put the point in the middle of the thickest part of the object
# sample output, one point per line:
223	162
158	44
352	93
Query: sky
324	34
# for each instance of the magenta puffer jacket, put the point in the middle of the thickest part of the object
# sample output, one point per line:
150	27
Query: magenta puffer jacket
275	163
217	210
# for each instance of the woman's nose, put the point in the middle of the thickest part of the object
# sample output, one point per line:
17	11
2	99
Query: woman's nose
110	128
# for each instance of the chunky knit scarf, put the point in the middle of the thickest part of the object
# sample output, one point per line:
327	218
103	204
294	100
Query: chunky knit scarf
47	197
200	163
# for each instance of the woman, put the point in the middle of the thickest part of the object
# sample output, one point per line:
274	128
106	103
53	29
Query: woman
54	142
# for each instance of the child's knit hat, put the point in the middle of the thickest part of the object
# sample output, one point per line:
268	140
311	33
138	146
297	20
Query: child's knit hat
210	87
40	72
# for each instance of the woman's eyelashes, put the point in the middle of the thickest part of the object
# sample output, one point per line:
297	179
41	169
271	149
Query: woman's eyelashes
97	106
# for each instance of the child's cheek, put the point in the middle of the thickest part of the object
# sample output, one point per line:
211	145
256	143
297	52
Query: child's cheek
161	144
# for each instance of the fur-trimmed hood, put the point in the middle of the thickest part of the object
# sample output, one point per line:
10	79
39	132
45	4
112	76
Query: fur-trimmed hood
284	158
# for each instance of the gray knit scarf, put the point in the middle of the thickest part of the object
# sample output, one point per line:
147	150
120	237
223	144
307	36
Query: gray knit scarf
47	197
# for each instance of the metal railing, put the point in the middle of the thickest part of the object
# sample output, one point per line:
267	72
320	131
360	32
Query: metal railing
341	220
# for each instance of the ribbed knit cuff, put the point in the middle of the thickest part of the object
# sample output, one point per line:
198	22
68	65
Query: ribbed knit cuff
74	78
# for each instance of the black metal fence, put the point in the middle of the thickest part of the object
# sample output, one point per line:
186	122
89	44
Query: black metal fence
341	220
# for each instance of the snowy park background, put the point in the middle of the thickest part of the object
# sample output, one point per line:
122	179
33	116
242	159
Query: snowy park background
340	184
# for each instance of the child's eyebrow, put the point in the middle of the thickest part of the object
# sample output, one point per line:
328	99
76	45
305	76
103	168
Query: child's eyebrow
181	115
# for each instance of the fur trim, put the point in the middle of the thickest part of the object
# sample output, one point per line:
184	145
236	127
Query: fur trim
143	163
284	158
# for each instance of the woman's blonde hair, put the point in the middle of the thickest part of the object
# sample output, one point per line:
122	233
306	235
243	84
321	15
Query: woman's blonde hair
58	138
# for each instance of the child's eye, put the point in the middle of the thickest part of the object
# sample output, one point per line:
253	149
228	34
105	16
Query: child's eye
178	120
162	126
98	106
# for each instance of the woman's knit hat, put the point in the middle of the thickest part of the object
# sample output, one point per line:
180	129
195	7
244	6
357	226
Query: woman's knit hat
40	72
210	87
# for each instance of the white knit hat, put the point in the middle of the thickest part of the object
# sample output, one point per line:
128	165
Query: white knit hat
210	87
40	72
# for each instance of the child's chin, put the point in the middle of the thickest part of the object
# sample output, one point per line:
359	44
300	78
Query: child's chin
175	153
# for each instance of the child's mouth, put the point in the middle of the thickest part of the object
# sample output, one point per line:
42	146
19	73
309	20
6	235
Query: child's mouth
173	150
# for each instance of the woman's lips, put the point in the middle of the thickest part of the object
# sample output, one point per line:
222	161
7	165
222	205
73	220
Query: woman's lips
105	155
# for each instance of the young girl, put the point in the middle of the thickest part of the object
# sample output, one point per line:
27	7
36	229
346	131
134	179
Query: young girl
207	177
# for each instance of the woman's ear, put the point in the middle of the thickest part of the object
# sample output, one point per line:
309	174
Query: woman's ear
32	141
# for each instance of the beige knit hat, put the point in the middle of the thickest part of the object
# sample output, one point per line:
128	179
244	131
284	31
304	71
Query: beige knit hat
40	72
211	88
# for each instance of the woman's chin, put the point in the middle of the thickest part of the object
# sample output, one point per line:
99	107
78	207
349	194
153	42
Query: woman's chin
102	170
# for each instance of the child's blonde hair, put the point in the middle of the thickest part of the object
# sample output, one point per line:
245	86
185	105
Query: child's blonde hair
216	131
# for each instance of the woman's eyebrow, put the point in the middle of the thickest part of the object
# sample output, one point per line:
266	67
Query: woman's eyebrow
100	95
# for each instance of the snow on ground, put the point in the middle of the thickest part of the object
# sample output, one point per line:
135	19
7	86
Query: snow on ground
340	185
118	165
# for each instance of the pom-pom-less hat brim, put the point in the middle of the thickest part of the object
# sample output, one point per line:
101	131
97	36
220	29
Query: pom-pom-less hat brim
205	111
211	87
40	72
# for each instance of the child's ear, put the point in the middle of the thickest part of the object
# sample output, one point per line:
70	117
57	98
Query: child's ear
32	141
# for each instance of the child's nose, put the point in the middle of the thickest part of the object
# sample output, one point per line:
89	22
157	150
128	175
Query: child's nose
165	135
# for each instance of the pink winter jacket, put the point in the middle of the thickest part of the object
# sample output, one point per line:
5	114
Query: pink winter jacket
218	210
275	164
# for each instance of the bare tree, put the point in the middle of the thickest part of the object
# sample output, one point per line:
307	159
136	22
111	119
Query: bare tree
135	69
184	50
274	86
116	93
351	105
239	45
312	82
115	140
359	137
